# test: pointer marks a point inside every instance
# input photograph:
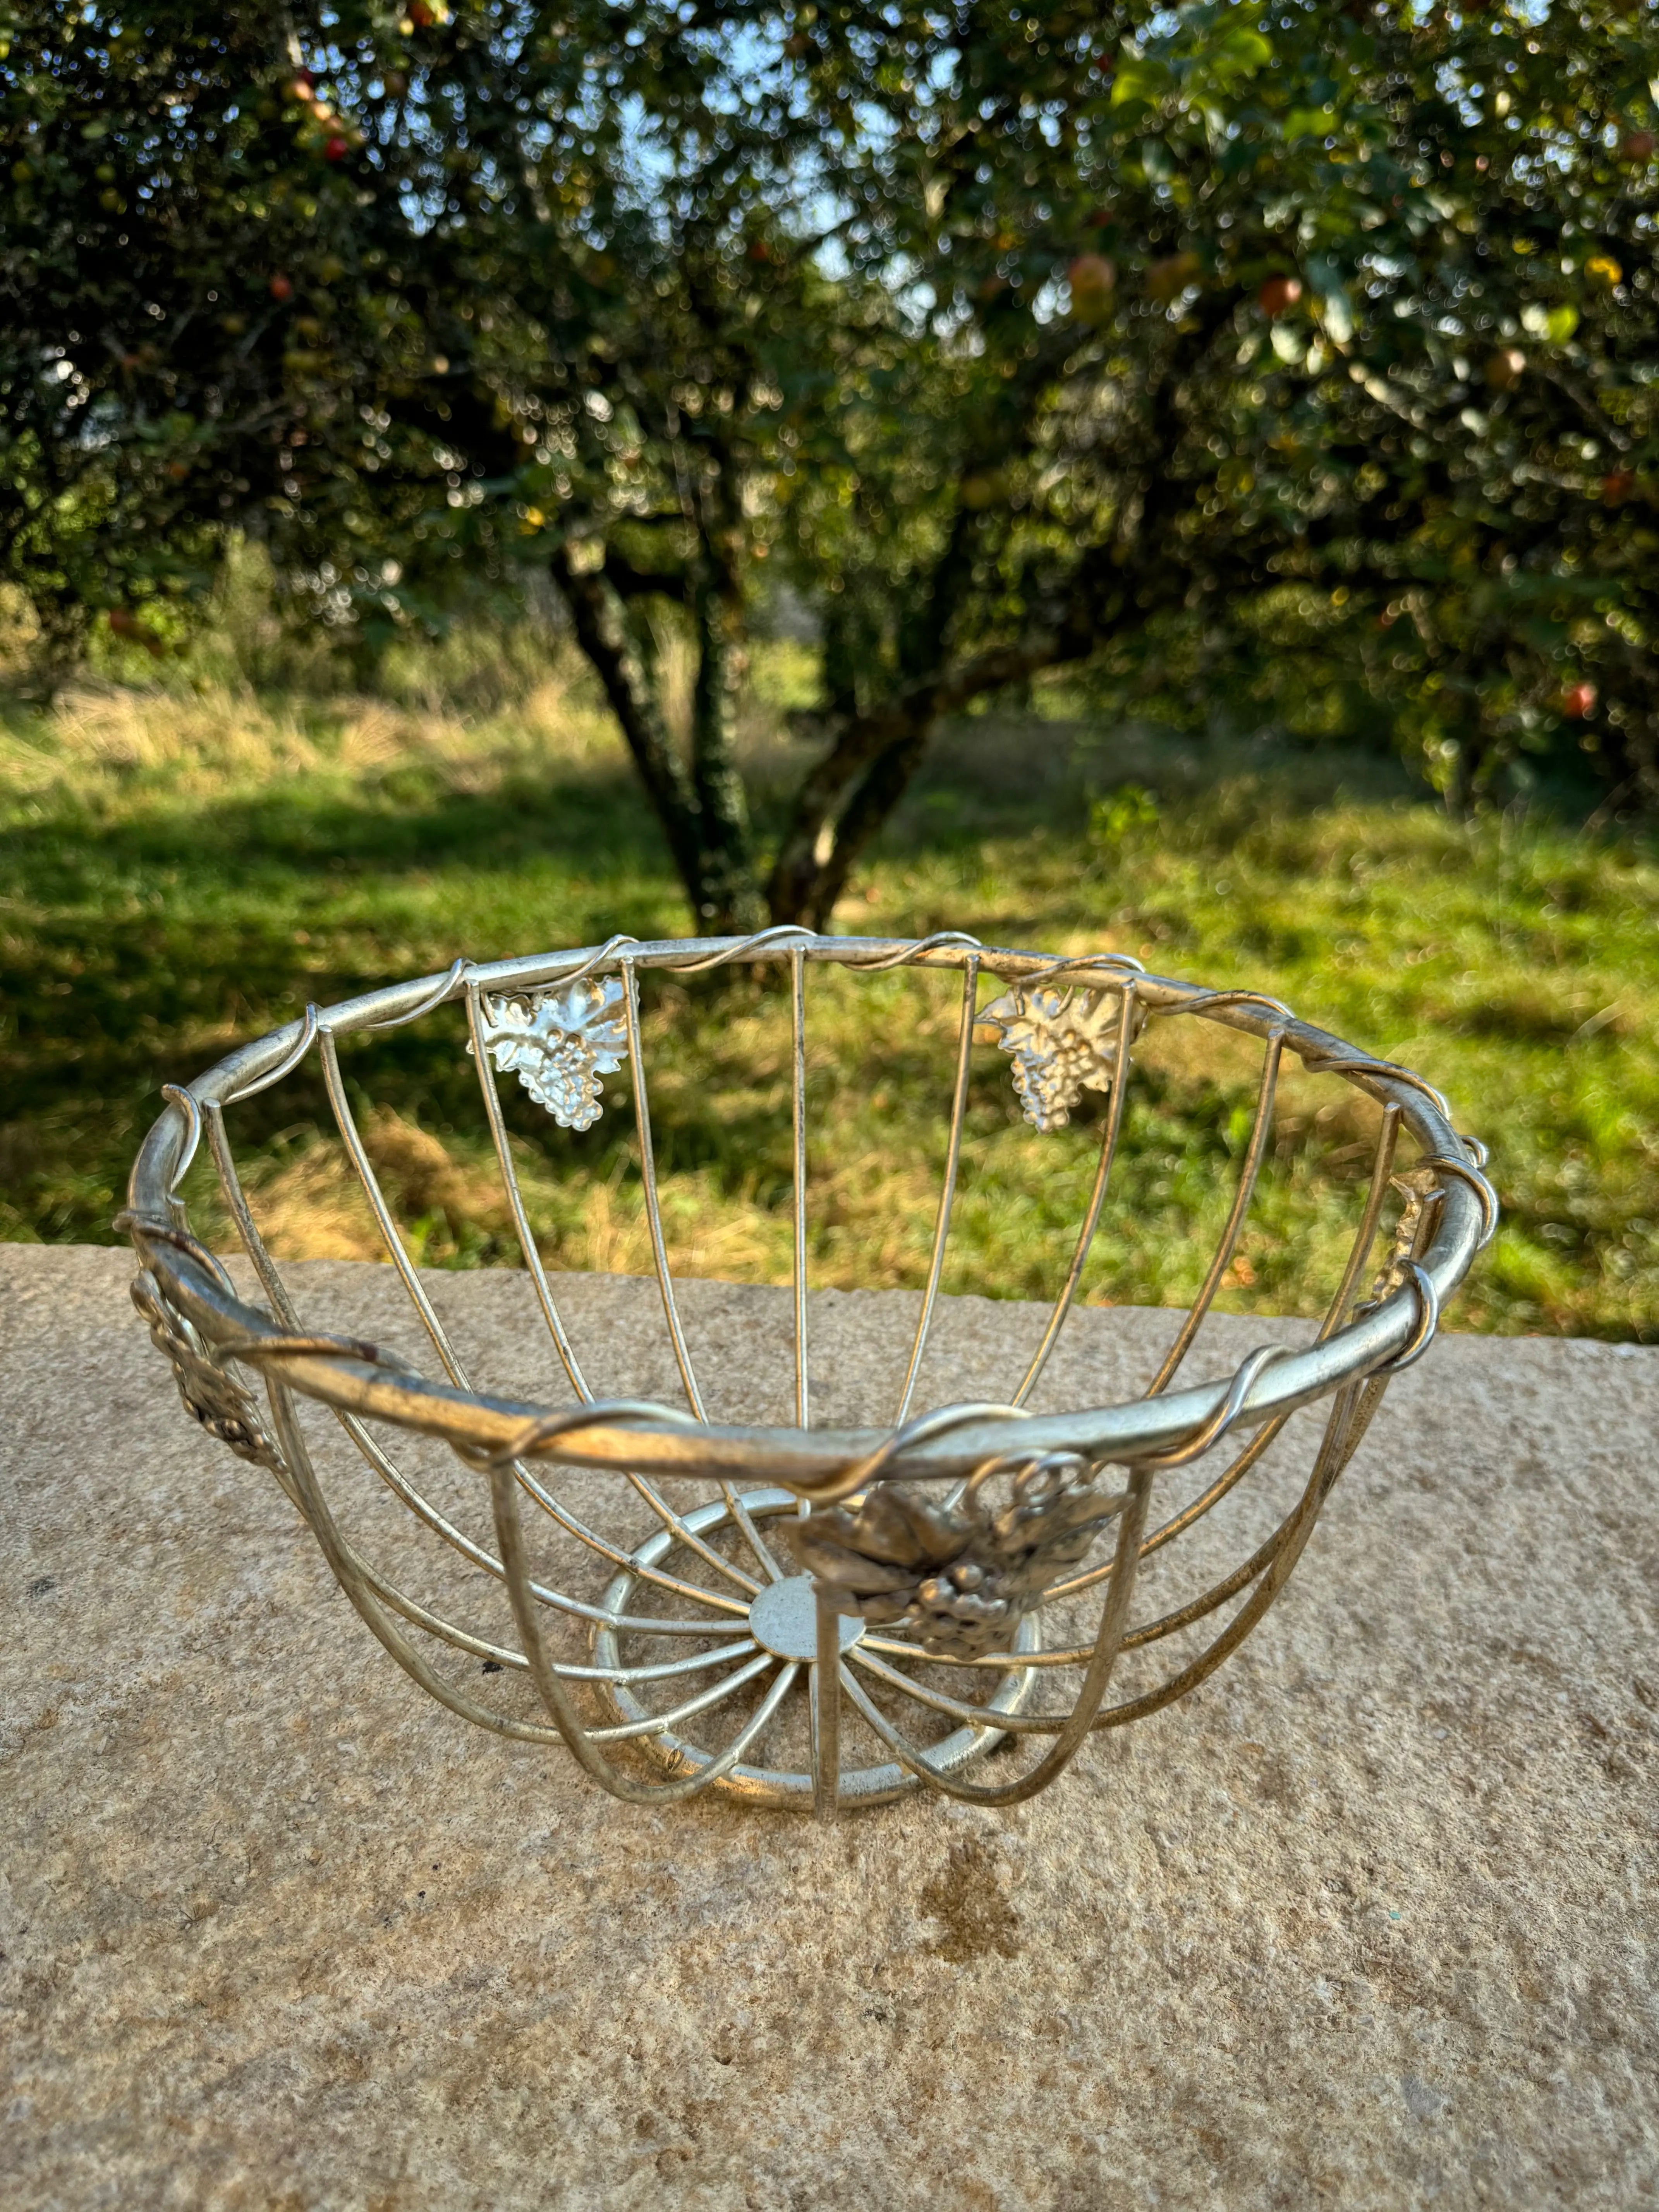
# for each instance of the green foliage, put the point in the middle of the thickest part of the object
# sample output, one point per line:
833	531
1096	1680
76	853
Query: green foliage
1009	338
182	871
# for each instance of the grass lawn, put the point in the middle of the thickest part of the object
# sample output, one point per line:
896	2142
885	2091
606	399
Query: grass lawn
178	871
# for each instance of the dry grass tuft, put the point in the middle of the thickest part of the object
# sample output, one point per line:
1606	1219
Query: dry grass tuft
313	1207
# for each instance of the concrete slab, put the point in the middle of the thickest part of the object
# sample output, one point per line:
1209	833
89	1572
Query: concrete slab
1369	1921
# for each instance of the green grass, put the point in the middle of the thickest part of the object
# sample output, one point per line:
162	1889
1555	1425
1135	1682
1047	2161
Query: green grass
182	869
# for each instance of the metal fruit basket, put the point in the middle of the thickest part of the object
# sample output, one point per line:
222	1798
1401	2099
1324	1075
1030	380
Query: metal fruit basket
809	1617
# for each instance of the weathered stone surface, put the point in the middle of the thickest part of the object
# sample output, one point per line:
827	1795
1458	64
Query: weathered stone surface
1369	1922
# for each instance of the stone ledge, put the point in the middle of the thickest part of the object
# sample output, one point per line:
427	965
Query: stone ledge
1366	1921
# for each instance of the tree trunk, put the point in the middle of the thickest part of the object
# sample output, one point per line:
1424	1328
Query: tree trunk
703	813
731	897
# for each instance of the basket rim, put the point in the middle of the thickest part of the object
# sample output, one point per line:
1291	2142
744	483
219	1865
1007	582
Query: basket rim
659	1441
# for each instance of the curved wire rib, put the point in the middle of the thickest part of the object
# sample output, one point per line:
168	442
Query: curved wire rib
499	1655
735	1505
1241	1205
948	1192
521	1229
798	1163
1114	1114
346	1122
504	1492
546	1429
1350	1418
1365	1238
658	1723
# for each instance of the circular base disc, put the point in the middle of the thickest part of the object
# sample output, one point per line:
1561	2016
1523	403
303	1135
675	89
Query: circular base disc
783	1620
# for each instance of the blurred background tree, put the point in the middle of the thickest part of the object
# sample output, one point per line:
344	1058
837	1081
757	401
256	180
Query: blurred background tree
1300	355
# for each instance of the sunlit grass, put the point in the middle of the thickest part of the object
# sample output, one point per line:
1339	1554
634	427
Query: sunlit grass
183	869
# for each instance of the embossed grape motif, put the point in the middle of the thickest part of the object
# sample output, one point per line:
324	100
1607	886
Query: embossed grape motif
211	1394
958	1577
559	1043
1062	1044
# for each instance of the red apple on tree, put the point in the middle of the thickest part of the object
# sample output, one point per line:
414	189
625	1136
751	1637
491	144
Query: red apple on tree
1505	369
282	288
1279	295
1616	486
1578	700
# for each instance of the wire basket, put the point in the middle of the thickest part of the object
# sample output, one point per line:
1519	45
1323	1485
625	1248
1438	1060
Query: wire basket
797	1616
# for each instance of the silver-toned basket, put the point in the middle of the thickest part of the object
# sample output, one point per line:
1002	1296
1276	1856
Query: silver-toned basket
814	1617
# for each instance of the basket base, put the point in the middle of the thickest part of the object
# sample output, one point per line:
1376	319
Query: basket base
783	1620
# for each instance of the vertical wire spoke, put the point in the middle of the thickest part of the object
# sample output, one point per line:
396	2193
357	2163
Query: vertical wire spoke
1096	1198
798	1119
346	1122
1387	1140
734	1505
532	1258
235	1198
948	1189
1241	1205
824	1681
652	1207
